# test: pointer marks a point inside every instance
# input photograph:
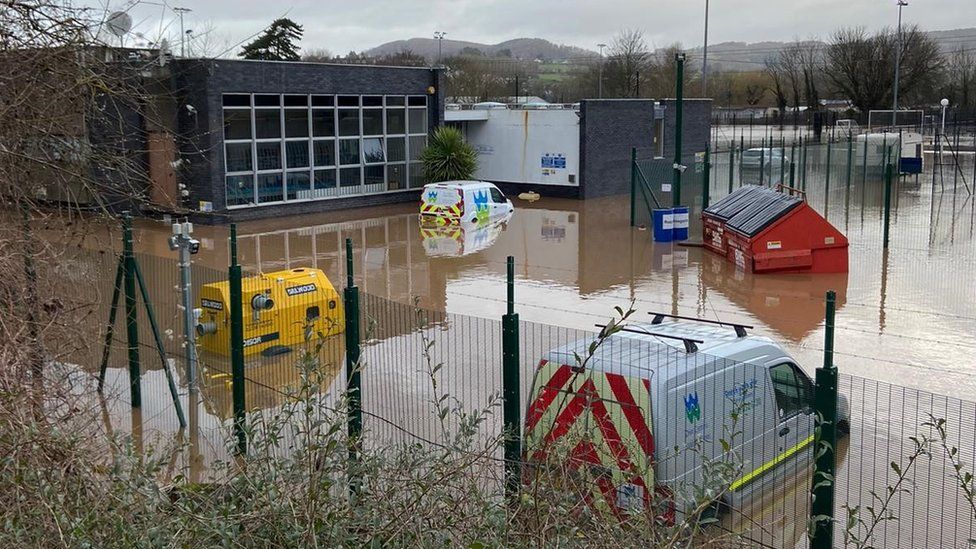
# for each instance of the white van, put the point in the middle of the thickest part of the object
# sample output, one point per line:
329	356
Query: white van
660	403
476	202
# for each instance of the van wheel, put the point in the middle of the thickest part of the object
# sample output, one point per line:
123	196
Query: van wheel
714	511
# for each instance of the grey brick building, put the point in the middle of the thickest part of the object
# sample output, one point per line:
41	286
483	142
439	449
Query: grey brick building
264	138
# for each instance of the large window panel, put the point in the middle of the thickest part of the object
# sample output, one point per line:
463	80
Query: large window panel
296	154
396	121
267	100
417	101
374	175
267	123
348	122
239	157
396	149
373	150
325	179
296	122
270	187
396	176
239	189
299	185
417	120
349	177
237	100
237	124
323	122
324	152
417	144
269	156
348	151
372	121
416	176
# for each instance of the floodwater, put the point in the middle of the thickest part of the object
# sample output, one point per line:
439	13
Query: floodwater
905	321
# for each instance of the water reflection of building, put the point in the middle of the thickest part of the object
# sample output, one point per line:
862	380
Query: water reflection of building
790	304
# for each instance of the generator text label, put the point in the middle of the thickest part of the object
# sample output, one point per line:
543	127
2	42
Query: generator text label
299	290
256	340
210	304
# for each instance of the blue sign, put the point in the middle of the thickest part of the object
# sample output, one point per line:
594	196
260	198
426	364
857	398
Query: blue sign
555	161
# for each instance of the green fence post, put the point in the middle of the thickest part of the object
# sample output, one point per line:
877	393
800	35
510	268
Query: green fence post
825	440
678	107
633	185
110	328
850	160
510	384
827	176
731	163
237	343
864	171
887	203
792	175
782	159
803	163
350	298
762	160
707	175
131	322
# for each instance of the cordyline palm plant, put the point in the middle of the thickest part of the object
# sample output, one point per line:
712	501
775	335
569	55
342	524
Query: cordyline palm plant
447	157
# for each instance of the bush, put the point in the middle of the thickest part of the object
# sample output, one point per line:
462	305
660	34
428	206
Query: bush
447	157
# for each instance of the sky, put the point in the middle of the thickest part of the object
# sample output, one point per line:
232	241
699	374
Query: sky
341	26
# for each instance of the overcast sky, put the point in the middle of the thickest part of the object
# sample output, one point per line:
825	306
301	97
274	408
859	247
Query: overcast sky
344	25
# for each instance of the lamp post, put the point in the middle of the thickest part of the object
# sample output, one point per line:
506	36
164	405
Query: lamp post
181	11
894	103
600	78
944	103
705	56
439	36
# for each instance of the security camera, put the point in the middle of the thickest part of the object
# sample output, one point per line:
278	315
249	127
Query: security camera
174	242
680	167
194	245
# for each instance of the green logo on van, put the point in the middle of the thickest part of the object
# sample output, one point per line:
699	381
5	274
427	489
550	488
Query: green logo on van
692	409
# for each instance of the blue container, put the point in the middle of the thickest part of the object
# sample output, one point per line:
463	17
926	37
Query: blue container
680	223
663	221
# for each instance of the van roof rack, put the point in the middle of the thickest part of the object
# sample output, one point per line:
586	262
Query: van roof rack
691	345
740	329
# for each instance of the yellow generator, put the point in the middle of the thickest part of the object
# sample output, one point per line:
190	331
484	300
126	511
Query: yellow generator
279	309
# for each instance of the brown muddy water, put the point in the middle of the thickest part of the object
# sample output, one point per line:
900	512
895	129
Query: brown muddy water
906	316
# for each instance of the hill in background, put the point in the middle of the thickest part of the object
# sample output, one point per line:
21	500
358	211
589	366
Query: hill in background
519	48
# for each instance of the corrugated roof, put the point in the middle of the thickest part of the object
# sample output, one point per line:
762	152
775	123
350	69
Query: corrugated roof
751	208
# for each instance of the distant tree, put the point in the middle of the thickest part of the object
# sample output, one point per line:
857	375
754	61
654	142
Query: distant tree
402	58
779	78
277	43
319	55
629	62
468	50
665	71
861	66
504	52
960	78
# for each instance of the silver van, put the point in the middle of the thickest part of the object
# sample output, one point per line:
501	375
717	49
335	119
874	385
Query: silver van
649	415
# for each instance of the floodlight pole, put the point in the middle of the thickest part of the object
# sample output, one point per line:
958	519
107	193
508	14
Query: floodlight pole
600	77
439	36
894	103
181	11
705	56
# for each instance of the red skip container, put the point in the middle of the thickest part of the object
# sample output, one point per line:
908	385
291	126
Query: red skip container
767	231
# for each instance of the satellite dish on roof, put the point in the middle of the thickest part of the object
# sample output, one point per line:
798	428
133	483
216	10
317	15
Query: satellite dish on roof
119	23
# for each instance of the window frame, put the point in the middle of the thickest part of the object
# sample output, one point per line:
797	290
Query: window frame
803	385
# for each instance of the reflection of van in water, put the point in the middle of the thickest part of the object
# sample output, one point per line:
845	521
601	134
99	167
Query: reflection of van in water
657	400
460	239
463	201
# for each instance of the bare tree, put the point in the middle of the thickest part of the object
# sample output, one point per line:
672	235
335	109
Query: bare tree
861	66
317	55
960	78
628	63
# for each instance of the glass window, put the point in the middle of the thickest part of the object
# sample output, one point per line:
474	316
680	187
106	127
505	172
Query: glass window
237	124
296	154
418	120
269	156
348	122
267	123
416	176
239	189
349	151
266	100
323	122
325	179
323	101
269	187
394	100
396	149
324	152
237	100
373	150
299	185
496	196
238	157
374	175
396	121
417	145
372	100
417	101
396	176
372	121
349	177
794	391
348	100
296	100
296	123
